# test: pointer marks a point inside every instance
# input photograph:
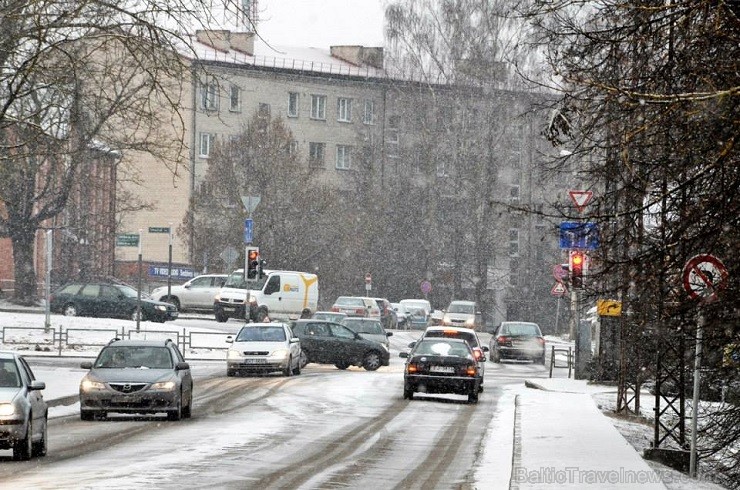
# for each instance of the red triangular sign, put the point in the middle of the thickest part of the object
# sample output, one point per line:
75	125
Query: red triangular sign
581	198
558	289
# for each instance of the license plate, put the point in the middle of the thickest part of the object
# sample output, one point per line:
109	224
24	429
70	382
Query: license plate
229	308
441	369
254	361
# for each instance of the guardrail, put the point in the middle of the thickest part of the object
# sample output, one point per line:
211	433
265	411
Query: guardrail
87	342
569	358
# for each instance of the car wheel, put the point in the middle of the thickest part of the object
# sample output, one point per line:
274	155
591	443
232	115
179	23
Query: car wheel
23	448
372	361
87	415
473	396
174	301
70	310
541	360
495	357
230	372
297	368
176	414
288	368
408	393
303	360
221	317
40	447
261	314
342	365
187	411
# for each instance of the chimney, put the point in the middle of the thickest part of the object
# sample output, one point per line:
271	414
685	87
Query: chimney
224	40
359	55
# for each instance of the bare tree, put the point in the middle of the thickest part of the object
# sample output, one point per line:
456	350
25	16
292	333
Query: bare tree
76	77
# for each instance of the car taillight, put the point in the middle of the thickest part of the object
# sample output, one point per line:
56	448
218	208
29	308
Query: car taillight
360	311
334	308
541	340
471	371
502	340
412	368
478	354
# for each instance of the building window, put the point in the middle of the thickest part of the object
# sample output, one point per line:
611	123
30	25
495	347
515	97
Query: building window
368	115
514	242
514	194
209	95
442	168
393	123
206	143
235	98
293	147
318	107
344	109
263	110
293	104
514	272
316	154
344	157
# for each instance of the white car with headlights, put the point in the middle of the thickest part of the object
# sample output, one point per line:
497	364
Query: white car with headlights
462	314
264	348
23	411
137	376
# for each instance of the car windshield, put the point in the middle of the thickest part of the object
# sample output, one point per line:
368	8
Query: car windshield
453	334
418	312
436	347
522	329
364	326
261	334
461	308
9	374
140	357
349	301
236	280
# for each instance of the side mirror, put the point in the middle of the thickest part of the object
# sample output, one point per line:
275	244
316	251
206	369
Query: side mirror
403	354
411	345
295	340
229	339
86	365
37	385
182	366
187	286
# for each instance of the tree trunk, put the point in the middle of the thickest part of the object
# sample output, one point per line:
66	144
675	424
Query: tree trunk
25	275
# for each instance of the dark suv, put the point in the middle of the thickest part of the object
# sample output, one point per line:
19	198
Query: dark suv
137	376
106	299
326	342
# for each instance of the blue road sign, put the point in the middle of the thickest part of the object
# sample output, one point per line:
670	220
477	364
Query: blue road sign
248	230
579	235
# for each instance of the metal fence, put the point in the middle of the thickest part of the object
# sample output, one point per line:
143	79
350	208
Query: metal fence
87	342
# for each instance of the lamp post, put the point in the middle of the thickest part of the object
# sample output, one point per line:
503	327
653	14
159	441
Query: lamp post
138	289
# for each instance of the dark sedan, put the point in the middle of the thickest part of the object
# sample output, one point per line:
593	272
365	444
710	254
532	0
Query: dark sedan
326	342
110	300
441	365
518	340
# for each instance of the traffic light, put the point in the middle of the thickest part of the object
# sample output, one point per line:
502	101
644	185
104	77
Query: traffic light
252	263
576	265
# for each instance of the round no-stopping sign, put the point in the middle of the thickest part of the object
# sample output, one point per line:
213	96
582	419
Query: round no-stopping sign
703	276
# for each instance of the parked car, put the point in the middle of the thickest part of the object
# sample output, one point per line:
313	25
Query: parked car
24	414
196	294
333	316
441	365
137	376
416	304
518	340
463	314
403	316
264	348
325	342
110	300
356	306
387	314
467	334
369	328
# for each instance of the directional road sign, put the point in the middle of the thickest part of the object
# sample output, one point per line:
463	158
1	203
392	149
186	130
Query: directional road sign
579	235
248	230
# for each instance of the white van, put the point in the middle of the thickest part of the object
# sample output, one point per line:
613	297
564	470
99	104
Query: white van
280	295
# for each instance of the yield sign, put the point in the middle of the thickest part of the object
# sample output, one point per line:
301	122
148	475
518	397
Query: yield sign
581	199
558	289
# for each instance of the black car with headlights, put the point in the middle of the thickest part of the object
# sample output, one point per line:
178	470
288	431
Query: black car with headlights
326	342
441	365
24	414
137	377
109	300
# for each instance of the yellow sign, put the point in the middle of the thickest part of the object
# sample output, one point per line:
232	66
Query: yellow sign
609	307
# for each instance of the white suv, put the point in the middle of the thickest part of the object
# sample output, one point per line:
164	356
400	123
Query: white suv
196	294
462	314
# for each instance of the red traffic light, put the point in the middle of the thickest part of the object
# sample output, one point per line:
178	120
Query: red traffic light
577	265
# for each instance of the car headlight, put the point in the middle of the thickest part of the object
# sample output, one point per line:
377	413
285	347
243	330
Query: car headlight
470	321
446	319
160	307
217	298
280	353
164	386
91	385
7	409
252	299
233	354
